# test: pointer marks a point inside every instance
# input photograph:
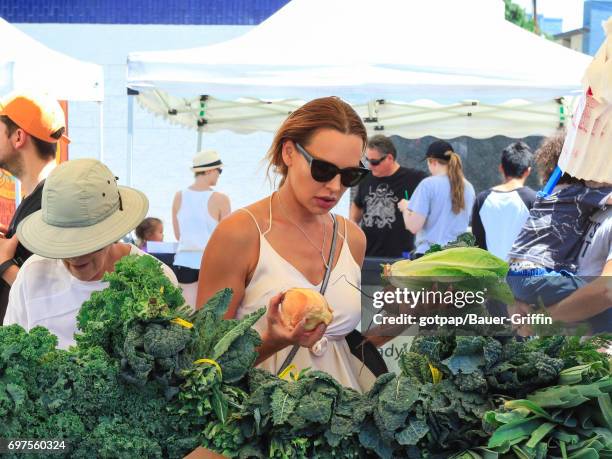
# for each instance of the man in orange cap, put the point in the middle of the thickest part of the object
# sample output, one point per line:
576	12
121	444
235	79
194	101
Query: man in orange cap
30	127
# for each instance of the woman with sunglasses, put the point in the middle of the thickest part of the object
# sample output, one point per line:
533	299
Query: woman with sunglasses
441	205
284	241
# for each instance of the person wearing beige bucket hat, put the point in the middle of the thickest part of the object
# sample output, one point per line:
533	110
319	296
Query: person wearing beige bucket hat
74	238
31	125
196	211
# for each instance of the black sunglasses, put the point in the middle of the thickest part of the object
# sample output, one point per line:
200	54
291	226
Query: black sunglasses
323	171
376	162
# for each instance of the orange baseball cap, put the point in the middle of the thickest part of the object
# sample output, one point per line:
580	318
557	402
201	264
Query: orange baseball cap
39	115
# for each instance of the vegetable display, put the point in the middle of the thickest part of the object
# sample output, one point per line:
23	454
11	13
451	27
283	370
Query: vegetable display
571	420
123	391
150	379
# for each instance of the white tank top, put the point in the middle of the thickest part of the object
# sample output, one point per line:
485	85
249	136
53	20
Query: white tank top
274	274
196	225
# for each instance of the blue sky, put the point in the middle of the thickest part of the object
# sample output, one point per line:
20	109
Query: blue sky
569	10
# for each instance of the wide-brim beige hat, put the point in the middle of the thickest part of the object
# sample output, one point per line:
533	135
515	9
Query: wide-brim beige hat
83	210
206	161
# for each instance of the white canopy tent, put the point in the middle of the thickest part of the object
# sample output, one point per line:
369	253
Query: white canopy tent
440	67
26	64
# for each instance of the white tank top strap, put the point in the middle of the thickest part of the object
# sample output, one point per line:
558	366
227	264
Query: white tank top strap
340	219
270	225
253	217
345	229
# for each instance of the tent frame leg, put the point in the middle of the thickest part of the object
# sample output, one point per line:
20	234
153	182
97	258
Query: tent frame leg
17	192
199	146
130	135
101	133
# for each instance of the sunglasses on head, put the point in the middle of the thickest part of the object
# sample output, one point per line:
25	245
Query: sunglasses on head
376	162
323	171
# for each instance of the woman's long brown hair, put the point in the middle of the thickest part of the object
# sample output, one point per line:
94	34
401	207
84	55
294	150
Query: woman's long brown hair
456	178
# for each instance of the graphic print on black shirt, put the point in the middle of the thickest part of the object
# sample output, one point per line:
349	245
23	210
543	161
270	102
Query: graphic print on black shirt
380	205
381	221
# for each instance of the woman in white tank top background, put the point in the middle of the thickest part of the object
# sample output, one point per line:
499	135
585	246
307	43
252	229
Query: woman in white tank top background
196	211
284	241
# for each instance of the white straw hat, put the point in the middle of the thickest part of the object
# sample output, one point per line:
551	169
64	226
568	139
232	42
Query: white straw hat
83	210
206	161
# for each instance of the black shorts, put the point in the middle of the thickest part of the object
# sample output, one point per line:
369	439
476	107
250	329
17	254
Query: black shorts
186	275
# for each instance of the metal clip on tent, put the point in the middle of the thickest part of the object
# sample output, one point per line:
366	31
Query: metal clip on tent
201	121
373	115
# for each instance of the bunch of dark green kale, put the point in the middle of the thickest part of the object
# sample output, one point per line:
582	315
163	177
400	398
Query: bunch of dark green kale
440	405
118	393
436	406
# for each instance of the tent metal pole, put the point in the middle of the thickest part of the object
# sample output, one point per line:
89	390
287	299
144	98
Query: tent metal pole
17	192
10	72
130	137
101	116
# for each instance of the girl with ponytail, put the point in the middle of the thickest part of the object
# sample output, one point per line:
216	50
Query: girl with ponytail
441	205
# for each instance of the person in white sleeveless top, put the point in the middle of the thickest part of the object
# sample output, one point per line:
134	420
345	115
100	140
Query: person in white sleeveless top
196	211
284	241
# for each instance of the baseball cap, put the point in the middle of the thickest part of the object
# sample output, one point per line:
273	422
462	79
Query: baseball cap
439	150
39	115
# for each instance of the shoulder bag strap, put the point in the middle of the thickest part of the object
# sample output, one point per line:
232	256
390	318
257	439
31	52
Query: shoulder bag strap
330	264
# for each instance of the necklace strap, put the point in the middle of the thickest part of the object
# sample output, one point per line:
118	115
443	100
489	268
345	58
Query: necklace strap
304	233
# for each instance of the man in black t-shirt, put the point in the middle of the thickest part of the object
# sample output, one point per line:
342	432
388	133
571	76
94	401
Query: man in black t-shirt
30	127
375	204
